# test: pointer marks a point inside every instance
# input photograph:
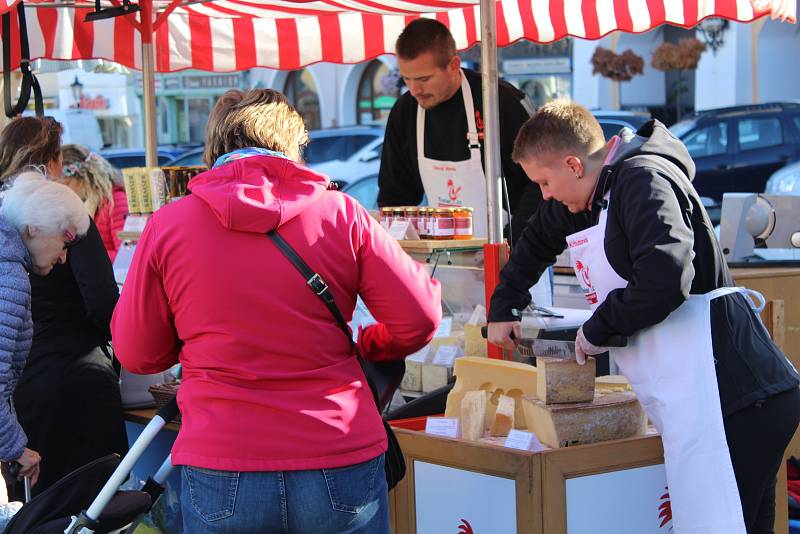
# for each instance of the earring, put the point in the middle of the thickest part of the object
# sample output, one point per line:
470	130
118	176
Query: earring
578	176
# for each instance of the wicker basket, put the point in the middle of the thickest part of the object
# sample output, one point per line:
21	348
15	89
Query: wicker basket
163	393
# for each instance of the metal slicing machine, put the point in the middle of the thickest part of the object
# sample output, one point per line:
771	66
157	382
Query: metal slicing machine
757	228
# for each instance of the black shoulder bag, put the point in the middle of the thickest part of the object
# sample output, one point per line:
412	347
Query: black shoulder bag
387	375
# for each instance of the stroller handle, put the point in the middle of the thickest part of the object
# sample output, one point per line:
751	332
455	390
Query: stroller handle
169	411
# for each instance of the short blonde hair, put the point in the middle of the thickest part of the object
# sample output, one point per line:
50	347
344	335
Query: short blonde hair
31	200
558	126
261	118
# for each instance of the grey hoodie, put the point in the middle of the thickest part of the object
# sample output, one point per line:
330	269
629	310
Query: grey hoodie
16	333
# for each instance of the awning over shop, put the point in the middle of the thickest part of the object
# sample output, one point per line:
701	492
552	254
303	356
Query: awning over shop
232	35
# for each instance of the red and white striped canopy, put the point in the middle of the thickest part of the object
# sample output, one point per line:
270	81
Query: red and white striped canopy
232	35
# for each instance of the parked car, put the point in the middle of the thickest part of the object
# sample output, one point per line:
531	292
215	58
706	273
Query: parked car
123	158
785	181
612	121
736	149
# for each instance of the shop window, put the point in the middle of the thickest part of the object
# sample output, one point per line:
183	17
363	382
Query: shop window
301	90
377	92
199	110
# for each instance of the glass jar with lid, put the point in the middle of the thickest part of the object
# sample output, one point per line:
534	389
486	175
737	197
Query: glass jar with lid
463	223
443	223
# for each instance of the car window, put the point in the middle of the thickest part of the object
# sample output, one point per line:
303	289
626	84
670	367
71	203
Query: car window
759	133
709	141
357	142
610	129
365	191
324	149
188	160
796	120
133	160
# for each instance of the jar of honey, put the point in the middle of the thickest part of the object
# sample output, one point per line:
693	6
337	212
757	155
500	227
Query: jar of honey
424	223
443	223
412	216
463	223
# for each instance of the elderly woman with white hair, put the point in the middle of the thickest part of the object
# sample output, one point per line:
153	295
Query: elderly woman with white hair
39	221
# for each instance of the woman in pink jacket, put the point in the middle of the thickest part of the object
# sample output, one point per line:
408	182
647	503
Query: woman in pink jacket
97	183
280	431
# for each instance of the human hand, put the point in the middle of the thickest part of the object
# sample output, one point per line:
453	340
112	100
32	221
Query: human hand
584	348
29	465
500	334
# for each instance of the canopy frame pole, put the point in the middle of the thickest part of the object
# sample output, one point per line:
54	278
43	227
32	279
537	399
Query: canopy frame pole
149	85
496	251
491	122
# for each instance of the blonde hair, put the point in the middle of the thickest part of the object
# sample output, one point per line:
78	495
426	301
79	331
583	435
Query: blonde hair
27	142
92	171
261	118
31	200
558	126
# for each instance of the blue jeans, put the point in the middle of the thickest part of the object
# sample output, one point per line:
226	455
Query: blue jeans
350	499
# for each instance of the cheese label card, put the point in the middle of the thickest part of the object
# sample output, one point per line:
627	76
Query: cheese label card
446	355
448	427
134	223
524	441
421	356
401	230
478	315
444	327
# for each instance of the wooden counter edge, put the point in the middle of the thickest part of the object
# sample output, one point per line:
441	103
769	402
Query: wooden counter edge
143	416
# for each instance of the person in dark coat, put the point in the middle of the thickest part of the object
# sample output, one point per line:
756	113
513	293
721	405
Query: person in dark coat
38	221
647	258
68	398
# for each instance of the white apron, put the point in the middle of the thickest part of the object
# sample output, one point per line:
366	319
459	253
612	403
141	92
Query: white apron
456	183
671	369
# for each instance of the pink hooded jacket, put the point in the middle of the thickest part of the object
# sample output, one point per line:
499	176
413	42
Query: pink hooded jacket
269	382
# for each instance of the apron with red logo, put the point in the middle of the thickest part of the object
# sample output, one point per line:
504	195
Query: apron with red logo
671	369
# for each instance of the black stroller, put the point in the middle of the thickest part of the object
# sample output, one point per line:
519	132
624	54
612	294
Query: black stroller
88	501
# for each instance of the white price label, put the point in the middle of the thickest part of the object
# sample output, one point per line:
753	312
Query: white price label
421	356
445	327
478	315
524	441
448	427
398	229
446	355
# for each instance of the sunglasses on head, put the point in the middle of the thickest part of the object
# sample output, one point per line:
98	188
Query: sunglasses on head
70	239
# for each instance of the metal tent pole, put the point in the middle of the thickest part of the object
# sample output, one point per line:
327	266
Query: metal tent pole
496	251
149	85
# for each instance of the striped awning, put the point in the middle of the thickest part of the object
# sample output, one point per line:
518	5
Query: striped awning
232	35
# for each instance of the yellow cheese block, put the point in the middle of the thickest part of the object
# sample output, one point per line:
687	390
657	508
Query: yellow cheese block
608	416
498	377
473	414
435	376
560	381
611	383
504	416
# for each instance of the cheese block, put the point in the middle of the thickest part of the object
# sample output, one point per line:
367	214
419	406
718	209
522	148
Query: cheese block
608	416
560	381
473	414
498	377
611	383
435	376
412	379
474	343
503	417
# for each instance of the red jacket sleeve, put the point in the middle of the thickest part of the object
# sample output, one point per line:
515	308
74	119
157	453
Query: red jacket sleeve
143	327
399	293
118	218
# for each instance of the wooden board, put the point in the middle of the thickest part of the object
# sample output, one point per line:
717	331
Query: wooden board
144	416
429	245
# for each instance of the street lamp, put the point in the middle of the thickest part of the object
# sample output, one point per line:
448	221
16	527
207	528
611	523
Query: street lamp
712	30
77	91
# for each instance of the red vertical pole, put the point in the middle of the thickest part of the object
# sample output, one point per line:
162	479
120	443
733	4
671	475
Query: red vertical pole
495	257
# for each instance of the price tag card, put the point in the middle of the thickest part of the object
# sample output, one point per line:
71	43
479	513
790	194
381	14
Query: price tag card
524	441
446	355
448	427
401	230
478	315
421	356
444	327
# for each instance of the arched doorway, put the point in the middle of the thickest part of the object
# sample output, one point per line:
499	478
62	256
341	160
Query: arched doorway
301	90
377	92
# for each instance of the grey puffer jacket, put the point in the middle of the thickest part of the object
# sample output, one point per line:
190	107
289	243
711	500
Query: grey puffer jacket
16	333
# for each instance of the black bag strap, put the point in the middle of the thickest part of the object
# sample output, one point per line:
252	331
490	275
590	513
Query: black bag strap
29	81
317	284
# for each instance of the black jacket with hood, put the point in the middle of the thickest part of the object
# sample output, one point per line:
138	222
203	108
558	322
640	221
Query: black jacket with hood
659	238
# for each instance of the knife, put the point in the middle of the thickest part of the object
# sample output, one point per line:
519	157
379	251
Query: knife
552	348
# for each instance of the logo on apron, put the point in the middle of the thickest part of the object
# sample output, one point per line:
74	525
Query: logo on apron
586	282
453	191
